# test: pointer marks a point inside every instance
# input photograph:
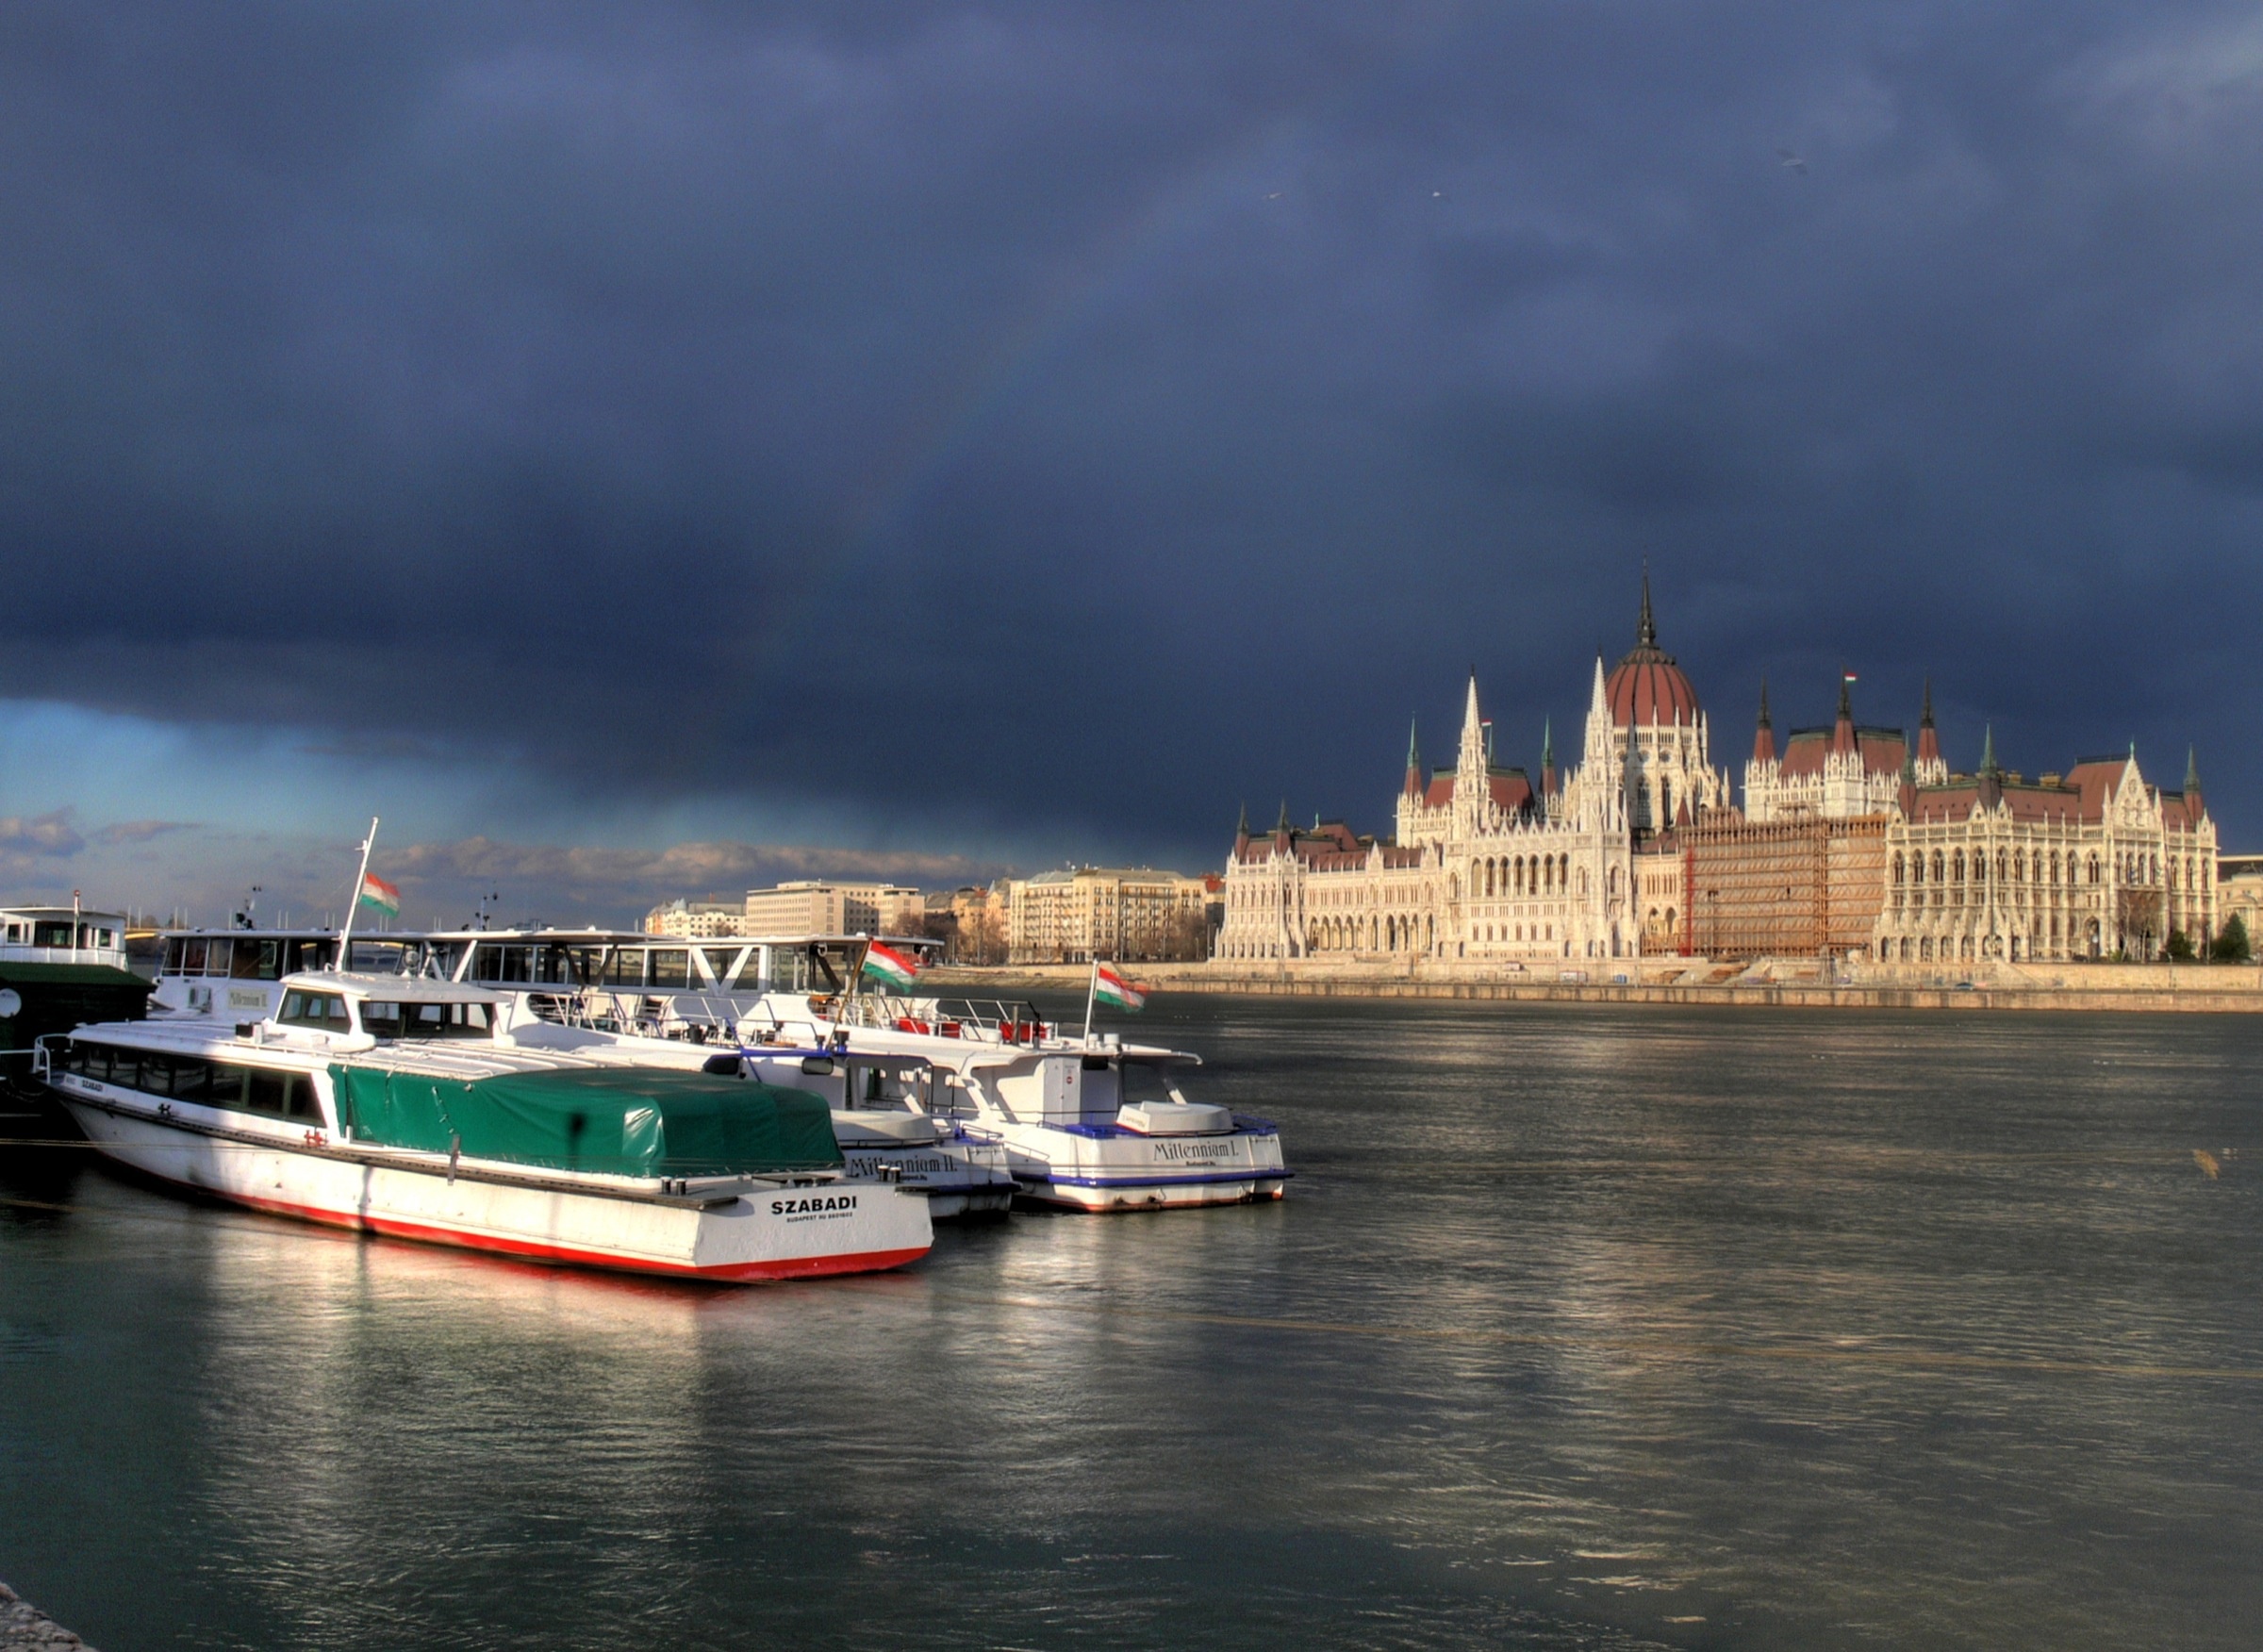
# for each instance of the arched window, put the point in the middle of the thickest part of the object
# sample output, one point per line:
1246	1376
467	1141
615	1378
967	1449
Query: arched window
1897	870
1488	865
1583	883
1937	866
1665	801
1958	864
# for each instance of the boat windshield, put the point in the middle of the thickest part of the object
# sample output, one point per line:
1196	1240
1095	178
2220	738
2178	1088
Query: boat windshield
384	1019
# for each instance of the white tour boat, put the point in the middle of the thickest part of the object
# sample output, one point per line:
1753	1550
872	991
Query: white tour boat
400	1105
1088	1121
1085	1122
636	999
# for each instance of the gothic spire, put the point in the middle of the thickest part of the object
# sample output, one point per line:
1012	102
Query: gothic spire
2192	771
1988	755
1847	698
1764	722
1413	750
1646	631
1282	824
1548	743
1924	717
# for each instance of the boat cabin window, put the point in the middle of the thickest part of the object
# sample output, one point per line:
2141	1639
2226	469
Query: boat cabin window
671	970
513	964
326	1010
413	1021
625	967
256	959
190	1078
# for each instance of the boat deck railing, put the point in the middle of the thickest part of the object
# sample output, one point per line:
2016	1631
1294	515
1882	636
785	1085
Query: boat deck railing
16	952
693	1018
977	1020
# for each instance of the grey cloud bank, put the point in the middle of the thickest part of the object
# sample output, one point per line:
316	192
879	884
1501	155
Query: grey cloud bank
1059	423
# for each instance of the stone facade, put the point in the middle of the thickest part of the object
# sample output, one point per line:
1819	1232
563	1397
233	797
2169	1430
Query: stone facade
1483	865
1854	842
2096	863
1132	915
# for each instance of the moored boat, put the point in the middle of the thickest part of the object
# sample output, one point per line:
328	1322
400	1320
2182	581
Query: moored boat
400	1106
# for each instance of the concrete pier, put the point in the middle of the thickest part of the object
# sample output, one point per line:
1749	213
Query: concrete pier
24	1627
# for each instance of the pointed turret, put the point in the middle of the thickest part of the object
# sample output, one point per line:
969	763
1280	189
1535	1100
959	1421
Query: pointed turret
1988	753
1992	773
1414	776
1241	834
1646	629
1763	734
1473	761
1282	833
2192	779
1908	784
1842	732
1928	738
1548	787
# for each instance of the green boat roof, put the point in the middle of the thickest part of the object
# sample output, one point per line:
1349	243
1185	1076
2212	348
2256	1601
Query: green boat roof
616	1121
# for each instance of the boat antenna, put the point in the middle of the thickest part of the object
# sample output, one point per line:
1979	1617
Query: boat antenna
345	928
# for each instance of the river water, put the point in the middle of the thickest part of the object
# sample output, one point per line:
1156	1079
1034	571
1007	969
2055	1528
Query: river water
1591	1327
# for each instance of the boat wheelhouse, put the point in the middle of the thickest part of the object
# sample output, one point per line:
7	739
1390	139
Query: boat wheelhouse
237	974
398	1105
63	934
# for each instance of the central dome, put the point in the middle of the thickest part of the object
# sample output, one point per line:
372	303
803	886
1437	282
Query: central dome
1648	687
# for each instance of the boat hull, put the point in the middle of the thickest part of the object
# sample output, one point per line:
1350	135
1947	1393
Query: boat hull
1108	1170
957	1178
773	1234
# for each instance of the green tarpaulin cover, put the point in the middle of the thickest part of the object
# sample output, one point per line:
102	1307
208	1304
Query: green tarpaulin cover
618	1121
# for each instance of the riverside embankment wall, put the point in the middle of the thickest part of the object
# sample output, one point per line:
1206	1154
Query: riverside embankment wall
2218	989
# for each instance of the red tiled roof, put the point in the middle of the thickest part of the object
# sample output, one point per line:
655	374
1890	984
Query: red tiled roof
1648	687
1881	750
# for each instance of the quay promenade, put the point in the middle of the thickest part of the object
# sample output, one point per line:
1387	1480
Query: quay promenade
1798	982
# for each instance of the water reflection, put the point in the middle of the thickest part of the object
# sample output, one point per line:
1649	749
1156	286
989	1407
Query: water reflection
1578	1330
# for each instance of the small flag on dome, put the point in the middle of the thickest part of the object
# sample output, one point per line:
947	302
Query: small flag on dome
1112	988
888	967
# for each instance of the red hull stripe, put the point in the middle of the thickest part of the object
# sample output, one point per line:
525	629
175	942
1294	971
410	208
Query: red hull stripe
794	1267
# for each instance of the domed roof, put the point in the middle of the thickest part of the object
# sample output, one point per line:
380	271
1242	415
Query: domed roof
1648	687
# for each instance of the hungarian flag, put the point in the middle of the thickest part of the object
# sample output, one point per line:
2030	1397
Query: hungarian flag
888	967
1111	988
376	892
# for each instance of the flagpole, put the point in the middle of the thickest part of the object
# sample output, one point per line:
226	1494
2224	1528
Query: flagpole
345	930
1091	990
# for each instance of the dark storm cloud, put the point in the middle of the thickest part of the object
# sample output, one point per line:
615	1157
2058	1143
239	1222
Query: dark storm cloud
1069	420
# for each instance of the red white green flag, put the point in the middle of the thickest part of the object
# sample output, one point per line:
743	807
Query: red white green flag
889	967
1111	988
376	892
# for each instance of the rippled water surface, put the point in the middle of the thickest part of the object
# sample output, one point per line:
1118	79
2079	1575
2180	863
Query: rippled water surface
1579	1327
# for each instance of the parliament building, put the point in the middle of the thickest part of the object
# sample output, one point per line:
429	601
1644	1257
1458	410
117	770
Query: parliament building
1850	843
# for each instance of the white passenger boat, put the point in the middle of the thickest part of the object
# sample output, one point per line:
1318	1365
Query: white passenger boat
881	1107
400	1105
1084	1122
635	999
1089	1122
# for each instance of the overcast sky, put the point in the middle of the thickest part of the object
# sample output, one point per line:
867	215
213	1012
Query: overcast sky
650	449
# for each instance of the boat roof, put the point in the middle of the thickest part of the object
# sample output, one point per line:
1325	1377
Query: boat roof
392	989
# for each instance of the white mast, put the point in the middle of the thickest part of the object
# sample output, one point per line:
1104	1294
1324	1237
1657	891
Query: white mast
345	928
